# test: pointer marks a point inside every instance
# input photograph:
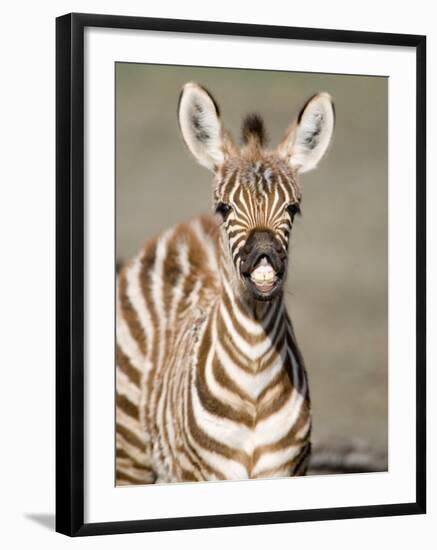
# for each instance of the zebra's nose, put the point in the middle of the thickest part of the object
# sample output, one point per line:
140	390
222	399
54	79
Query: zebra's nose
261	239
261	243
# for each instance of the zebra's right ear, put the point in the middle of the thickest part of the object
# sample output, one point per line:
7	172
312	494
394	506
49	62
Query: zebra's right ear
201	127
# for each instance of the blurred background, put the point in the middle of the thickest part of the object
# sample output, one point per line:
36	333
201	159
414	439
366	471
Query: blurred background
337	287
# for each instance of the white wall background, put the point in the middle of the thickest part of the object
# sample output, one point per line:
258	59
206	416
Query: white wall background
27	210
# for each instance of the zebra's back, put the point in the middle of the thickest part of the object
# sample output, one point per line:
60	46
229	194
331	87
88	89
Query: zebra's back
163	298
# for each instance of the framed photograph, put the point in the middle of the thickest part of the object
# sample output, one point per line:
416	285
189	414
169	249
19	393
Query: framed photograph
240	274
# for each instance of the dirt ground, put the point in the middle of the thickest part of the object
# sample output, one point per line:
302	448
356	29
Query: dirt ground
337	287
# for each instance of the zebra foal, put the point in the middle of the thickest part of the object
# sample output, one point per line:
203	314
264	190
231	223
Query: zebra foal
210	381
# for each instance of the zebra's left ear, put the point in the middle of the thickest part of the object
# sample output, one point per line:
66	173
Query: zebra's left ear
201	127
308	139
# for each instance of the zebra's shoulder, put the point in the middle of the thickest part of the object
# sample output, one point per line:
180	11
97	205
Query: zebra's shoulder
194	241
184	257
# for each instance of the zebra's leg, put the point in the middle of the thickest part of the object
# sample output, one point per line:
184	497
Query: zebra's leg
133	465
303	460
133	448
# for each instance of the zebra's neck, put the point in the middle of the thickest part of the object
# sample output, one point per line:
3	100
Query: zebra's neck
253	333
249	381
254	311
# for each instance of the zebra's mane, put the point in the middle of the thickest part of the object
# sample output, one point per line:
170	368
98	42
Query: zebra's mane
253	129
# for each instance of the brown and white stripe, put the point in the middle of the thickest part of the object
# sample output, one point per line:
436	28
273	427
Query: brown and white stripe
210	382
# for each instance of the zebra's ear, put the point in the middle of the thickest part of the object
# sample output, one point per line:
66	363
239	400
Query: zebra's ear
201	127
308	139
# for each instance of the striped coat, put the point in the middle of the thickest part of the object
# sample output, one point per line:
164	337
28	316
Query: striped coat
220	393
210	382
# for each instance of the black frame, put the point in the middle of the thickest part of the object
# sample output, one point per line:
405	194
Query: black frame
70	276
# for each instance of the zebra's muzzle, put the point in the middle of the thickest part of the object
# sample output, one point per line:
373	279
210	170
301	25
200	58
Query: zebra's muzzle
262	265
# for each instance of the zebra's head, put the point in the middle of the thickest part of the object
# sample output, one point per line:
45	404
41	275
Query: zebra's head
256	192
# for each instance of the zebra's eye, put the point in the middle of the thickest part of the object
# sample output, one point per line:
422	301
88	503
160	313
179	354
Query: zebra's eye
293	209
223	209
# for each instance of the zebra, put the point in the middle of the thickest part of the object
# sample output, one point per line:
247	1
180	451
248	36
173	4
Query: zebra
210	382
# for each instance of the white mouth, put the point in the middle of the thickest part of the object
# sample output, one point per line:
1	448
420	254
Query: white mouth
263	276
